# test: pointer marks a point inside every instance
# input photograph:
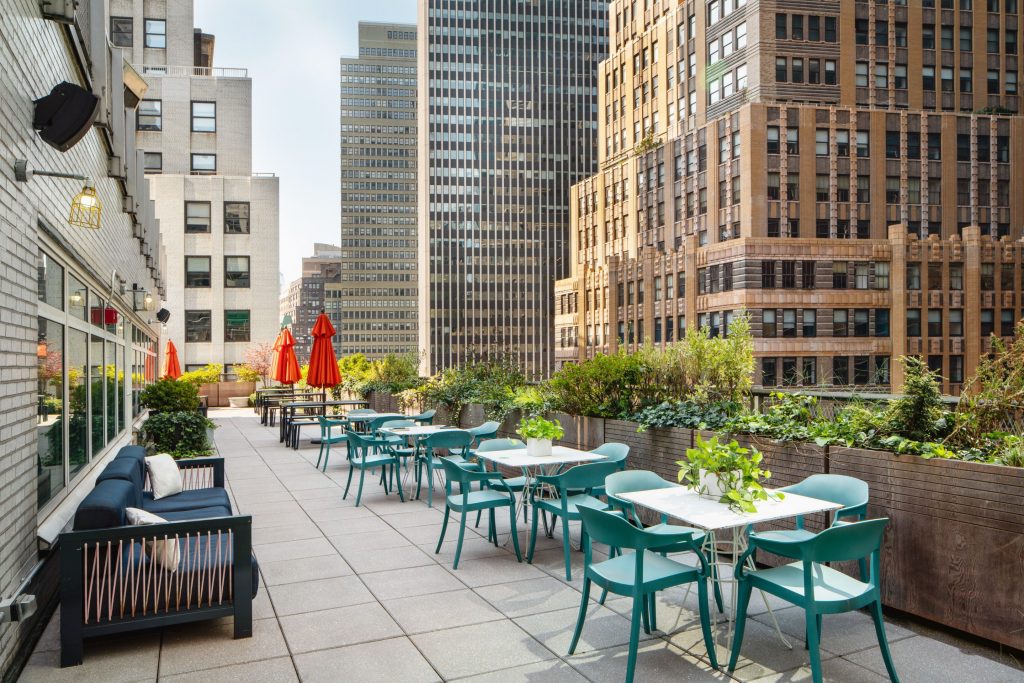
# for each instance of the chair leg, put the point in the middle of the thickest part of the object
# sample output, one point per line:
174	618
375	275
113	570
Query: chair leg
716	585
653	611
581	616
462	532
444	527
359	492
419	477
741	622
645	614
320	455
634	636
514	531
492	528
351	468
533	539
430	485
398	482
566	547
604	594
883	642
812	646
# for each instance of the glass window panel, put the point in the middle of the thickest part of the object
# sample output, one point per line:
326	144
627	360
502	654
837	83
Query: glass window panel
236	325
111	386
50	281
236	217
96	382
49	424
78	295
236	271
78	400
204	117
197	216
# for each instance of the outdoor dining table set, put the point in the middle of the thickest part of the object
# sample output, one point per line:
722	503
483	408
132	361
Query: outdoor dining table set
596	489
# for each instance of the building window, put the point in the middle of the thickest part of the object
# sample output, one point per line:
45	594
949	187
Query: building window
767	274
152	162
956	322
204	117
236	325
121	29
807	275
198	327
768	328
150	115
236	218
236	271
913	322
789	322
840	370
810	322
773	140
197	271
956	369
861	369
204	163
789	274
809	371
769	374
881	369
50	437
839	269
914	276
197	217
988	277
839	323
156	33
1006	323
861	327
934	322
789	372
956	276
881	322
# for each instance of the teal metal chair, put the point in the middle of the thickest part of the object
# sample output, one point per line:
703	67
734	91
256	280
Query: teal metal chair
467	500
818	589
573	490
617	483
513	484
397	444
445	441
613	452
368	453
850	492
424	418
640	575
327	437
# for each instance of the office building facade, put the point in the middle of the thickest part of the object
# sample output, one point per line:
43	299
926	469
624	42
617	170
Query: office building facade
841	171
378	194
317	290
508	112
219	220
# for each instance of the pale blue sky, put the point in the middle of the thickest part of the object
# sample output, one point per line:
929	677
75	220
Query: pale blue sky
291	49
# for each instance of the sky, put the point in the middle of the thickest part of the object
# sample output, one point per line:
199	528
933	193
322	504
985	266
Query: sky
291	49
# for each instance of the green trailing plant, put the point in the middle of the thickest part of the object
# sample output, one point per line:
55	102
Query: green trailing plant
687	414
168	395
738	470
182	434
208	374
538	427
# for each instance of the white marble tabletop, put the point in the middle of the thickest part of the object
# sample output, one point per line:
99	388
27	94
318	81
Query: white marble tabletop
560	455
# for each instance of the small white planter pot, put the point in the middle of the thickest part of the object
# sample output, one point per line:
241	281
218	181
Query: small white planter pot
238	401
712	485
538	447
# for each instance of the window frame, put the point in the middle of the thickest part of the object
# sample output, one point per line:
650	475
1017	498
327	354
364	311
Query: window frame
248	272
209	272
147	33
194	117
196	171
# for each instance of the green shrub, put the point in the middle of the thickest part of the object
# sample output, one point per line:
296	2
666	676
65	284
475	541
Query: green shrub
182	434
918	414
602	386
208	374
687	414
168	395
532	400
489	382
391	374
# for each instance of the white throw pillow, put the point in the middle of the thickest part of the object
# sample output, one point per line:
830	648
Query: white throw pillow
163	552
164	475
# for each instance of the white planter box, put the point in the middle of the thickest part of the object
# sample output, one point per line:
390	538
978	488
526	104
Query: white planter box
710	485
538	447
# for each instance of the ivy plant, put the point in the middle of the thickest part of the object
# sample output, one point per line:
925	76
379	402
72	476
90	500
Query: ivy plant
738	469
182	434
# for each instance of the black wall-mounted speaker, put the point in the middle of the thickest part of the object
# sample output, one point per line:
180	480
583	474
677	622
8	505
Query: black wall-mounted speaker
163	315
63	117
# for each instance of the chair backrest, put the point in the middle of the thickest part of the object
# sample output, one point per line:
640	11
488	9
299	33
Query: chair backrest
585	476
362	411
853	541
628	481
611	529
613	452
449	438
378	422
487	430
850	492
360	445
455	473
500	445
426	417
399	423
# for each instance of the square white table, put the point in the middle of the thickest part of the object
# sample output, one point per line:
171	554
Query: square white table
417	434
704	512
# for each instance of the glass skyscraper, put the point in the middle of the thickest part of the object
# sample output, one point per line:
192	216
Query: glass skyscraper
508	123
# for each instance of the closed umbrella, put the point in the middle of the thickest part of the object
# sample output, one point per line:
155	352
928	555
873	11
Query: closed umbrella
323	364
277	352
172	368
286	366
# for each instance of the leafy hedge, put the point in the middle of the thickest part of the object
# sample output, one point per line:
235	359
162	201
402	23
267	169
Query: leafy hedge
182	434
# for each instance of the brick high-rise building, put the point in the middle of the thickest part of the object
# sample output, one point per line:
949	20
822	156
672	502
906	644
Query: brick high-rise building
508	123
317	289
840	170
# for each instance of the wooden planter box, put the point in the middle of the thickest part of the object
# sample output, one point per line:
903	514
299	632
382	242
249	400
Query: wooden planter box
217	395
954	550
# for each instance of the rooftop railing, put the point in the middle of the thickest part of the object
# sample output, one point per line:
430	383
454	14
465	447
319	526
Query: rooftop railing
202	71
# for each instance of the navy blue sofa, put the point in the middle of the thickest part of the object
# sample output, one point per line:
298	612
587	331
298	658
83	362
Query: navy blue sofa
109	582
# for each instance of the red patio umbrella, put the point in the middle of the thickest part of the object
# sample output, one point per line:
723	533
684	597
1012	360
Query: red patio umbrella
172	368
277	352
286	365
323	364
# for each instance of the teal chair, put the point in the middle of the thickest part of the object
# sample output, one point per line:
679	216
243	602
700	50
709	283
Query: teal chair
613	452
640	574
850	492
817	588
573	488
467	500
617	483
327	437
424	418
397	444
368	453
513	484
458	439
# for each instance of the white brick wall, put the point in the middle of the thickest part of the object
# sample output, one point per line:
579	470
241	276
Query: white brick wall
34	56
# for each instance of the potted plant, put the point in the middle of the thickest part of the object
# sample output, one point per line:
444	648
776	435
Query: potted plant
727	472
539	433
169	396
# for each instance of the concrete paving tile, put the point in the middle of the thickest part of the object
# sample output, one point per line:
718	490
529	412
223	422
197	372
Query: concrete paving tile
193	647
266	671
532	596
337	627
422	613
401	583
429	533
245	498
310	596
325	503
354	525
656	662
279	519
306	569
289	532
285	550
416	517
473	547
551	670
485	571
602	629
841	634
383	559
921	659
369	540
837	670
502	645
119	658
316	494
272	508
382	661
326	514
312	481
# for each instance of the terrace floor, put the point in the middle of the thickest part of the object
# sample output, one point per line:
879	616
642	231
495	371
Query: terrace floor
357	594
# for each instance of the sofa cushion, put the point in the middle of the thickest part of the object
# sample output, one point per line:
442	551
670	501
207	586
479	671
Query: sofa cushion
124	469
136	453
186	500
197	513
164	475
104	506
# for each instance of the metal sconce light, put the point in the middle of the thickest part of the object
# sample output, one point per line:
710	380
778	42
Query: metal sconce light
85	206
142	299
77	298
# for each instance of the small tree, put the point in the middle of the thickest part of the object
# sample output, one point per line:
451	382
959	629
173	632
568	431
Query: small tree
918	414
257	366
